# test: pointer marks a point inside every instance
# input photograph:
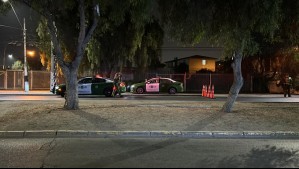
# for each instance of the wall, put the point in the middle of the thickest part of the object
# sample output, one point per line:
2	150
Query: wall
195	64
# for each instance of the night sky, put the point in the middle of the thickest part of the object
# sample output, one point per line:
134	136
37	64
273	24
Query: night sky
9	34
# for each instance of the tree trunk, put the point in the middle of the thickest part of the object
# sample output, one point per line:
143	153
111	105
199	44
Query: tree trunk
237	84
71	98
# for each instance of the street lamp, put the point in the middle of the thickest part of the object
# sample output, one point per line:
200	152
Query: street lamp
4	54
26	83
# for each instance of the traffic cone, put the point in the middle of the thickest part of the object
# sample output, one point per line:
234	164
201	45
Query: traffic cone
212	96
209	91
202	90
205	91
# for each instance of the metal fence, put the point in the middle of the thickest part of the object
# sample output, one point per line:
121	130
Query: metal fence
14	80
40	80
194	82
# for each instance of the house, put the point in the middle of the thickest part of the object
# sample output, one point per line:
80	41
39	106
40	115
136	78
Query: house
195	63
197	57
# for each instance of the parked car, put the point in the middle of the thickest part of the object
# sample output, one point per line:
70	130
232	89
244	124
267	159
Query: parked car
91	86
157	85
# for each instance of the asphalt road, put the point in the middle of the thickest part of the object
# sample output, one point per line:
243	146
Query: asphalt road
148	153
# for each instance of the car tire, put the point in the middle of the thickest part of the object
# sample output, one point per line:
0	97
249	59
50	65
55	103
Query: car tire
172	90
62	94
140	90
108	92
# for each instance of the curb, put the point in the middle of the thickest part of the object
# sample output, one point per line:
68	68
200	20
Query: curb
149	134
28	94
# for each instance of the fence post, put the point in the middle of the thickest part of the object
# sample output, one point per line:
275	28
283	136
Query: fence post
251	84
5	79
31	79
185	82
210	79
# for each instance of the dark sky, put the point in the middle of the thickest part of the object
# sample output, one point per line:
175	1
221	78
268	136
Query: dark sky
32	18
9	34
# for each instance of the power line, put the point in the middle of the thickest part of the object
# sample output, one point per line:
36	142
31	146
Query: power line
10	27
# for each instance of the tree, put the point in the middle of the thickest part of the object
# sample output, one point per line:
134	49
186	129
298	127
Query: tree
135	38
71	25
17	65
230	24
279	55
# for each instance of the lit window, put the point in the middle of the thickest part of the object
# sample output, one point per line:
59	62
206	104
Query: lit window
204	62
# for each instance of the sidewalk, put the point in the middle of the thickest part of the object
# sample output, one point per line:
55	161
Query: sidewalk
22	92
141	118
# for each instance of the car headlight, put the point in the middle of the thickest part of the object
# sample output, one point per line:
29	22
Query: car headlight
56	87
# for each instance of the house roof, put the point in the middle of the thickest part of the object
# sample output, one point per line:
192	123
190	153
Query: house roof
189	57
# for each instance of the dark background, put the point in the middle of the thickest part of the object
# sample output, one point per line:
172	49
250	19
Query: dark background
8	35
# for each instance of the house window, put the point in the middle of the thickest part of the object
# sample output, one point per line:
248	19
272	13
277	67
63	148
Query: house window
204	62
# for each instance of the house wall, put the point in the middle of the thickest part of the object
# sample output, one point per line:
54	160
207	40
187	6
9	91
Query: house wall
195	64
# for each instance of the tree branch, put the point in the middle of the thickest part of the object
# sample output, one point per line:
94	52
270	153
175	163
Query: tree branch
55	41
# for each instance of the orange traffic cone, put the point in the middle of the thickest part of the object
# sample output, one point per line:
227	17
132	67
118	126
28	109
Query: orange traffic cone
212	96
209	91
205	92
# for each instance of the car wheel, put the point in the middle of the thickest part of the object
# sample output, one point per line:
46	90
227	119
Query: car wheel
139	90
172	90
108	92
62	94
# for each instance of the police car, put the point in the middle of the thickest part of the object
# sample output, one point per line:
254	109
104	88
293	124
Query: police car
92	86
157	85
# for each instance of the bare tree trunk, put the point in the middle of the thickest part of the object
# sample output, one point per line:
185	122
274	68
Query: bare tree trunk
237	84
71	99
70	69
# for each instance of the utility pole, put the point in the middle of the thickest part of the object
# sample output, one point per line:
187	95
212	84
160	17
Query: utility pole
26	83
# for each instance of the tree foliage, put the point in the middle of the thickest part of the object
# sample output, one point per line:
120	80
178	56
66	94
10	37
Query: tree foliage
231	24
17	65
133	37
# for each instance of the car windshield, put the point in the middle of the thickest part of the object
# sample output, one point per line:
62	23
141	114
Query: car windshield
109	80
93	80
169	79
153	81
85	80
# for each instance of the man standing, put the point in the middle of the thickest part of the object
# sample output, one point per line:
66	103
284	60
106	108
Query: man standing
116	87
286	83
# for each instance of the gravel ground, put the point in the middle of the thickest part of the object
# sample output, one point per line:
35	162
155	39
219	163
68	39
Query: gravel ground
131	115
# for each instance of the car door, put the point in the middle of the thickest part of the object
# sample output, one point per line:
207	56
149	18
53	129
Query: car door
165	85
99	85
84	86
152	86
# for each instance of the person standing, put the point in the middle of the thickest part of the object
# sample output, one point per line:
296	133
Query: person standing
116	84
286	83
